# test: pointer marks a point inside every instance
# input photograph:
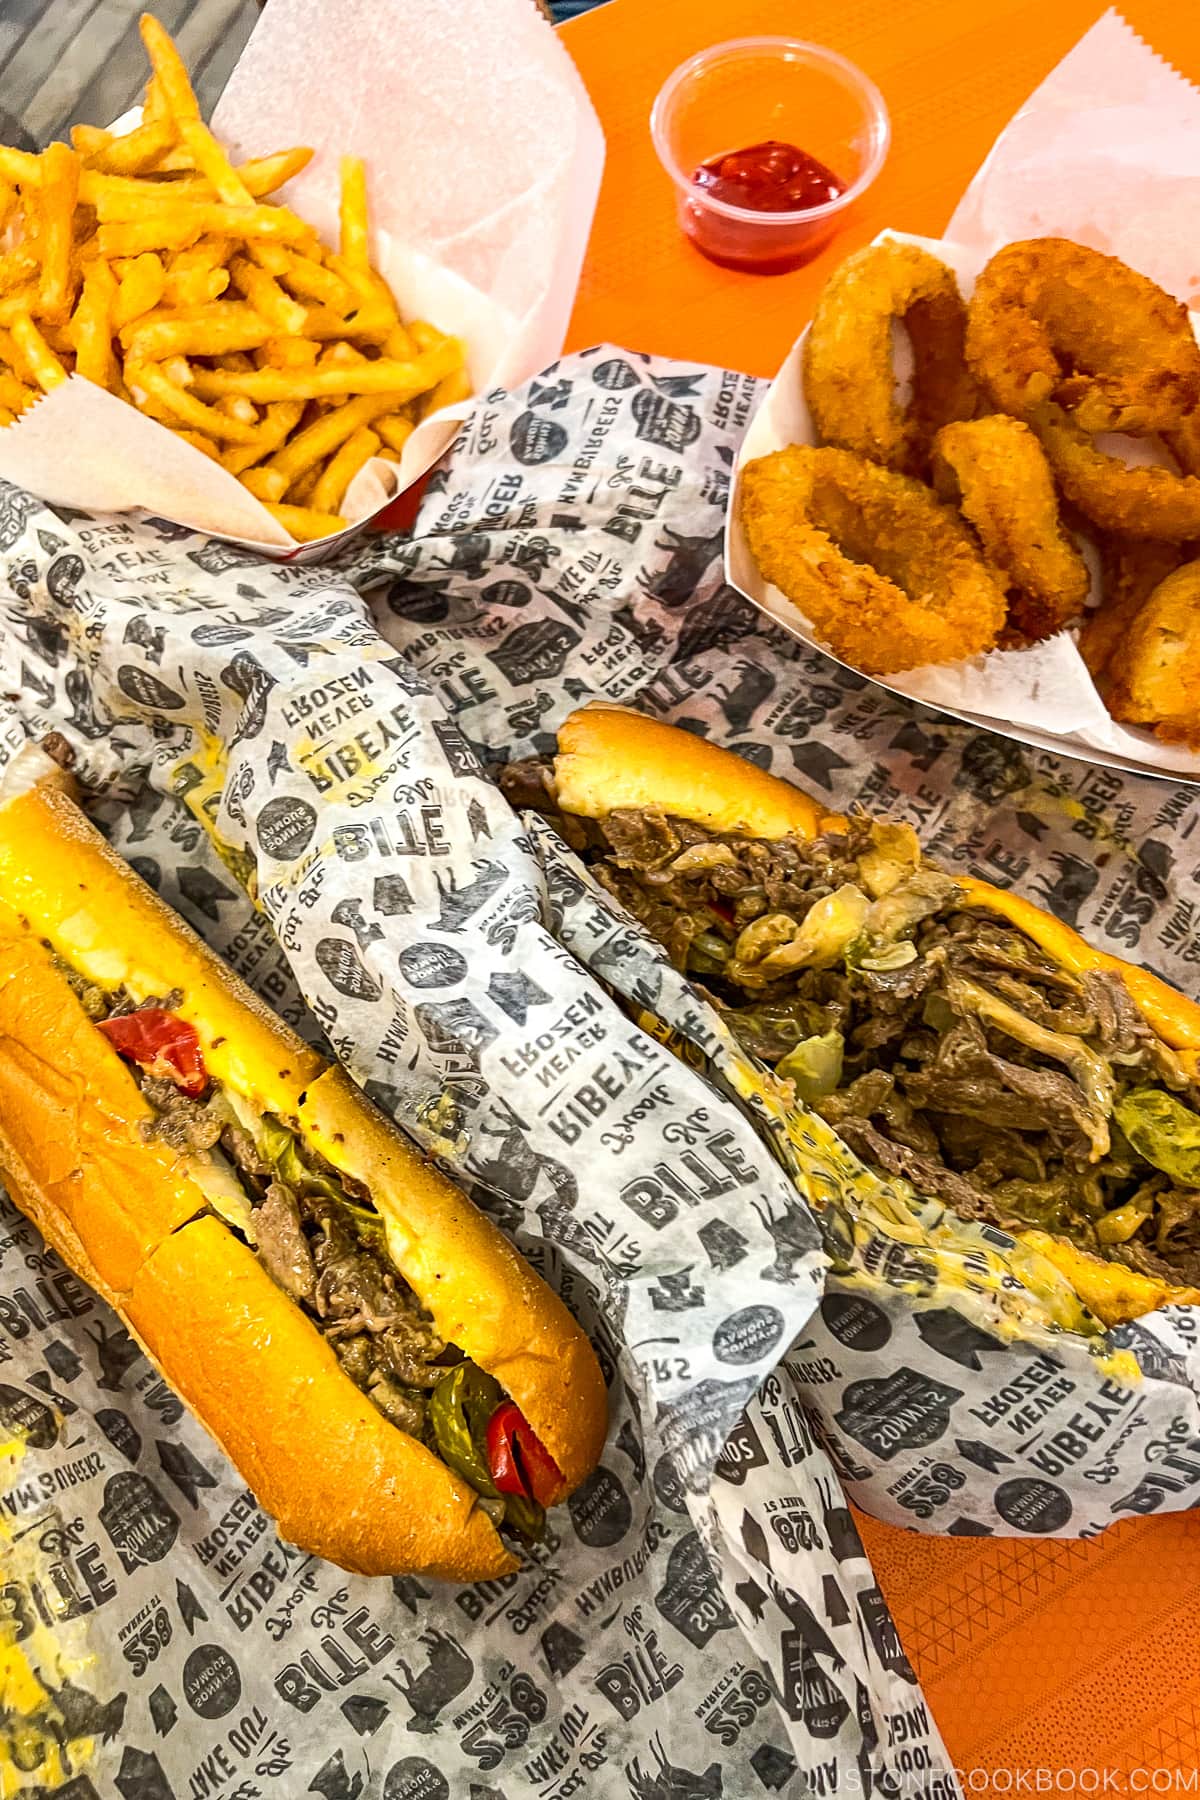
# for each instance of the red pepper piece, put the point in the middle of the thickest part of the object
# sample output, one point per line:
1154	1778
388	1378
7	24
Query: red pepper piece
519	1461
161	1043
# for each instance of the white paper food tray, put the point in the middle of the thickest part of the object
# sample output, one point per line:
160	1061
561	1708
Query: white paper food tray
1043	696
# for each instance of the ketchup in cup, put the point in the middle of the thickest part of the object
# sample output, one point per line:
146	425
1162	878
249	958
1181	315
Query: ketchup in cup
768	141
770	177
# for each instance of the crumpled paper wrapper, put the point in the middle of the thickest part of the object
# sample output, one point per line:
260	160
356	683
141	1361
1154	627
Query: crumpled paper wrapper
483	158
1101	154
702	1619
250	733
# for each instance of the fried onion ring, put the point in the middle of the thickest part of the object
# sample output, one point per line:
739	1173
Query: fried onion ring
848	377
1130	570
1142	501
889	577
1054	321
996	473
1157	677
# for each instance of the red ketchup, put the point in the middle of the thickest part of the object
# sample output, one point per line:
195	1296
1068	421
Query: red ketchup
771	177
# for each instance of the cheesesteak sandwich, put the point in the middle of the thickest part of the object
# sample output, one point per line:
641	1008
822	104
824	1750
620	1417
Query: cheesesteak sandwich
393	1381
953	1034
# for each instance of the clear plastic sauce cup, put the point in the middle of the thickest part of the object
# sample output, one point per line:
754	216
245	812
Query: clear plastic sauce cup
765	95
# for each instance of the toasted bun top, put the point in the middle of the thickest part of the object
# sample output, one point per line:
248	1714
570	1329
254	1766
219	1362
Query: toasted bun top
248	1362
1174	1016
611	758
108	1196
69	887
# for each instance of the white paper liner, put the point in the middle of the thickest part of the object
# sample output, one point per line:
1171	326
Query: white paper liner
483	162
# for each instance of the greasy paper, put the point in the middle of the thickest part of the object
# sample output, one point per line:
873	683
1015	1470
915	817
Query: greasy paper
483	160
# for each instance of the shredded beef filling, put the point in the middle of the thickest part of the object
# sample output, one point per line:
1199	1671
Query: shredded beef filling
333	1264
942	1044
329	1256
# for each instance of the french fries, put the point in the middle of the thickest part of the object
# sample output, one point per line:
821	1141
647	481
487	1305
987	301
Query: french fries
153	266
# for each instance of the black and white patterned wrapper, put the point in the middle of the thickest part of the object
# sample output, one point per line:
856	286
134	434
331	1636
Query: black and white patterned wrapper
245	730
316	738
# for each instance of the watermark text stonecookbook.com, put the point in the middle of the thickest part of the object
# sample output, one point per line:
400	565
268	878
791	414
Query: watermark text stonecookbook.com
985	1784
1139	1780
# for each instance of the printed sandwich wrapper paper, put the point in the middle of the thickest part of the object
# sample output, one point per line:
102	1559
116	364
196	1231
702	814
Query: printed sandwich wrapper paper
301	756
483	158
1104	153
702	1619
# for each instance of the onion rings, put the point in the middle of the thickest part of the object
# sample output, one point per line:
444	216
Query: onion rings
848	376
889	577
1054	321
996	473
1140	501
1130	570
1157	677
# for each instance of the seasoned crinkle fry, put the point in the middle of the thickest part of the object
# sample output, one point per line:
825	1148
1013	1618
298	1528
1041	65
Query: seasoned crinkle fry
305	524
56	196
304	277
402	380
149	264
134	154
36	355
197	331
395	430
354	247
146	382
92	326
309	448
280	421
330	488
268	298
15	395
142	285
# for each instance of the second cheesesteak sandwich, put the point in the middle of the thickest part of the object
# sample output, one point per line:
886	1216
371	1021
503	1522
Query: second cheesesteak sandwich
952	1033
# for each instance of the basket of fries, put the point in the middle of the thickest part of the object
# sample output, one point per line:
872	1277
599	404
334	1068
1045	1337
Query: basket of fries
179	335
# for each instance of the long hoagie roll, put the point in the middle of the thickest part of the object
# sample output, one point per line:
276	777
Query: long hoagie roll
954	1034
398	1387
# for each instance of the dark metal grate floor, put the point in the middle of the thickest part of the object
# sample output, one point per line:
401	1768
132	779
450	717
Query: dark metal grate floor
64	62
67	62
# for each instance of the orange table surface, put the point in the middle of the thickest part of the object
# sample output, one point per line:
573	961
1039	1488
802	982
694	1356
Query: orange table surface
1055	1666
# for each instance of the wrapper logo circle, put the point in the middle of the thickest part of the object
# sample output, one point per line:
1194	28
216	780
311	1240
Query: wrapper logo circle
415	1779
1029	1504
534	439
746	1336
285	827
432	965
615	374
856	1323
212	1685
600	1510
